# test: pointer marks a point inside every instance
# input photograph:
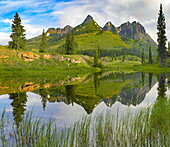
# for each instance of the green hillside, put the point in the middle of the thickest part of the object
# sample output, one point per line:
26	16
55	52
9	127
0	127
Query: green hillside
88	41
89	25
12	60
89	36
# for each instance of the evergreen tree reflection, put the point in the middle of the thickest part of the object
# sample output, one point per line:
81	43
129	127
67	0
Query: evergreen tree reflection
70	93
44	96
96	82
162	86
150	80
18	104
143	79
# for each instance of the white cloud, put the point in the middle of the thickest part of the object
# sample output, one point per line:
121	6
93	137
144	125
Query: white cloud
73	13
4	38
33	30
144	11
7	20
57	13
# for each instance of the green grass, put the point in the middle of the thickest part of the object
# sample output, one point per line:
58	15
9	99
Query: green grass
151	68
119	66
149	127
9	61
133	66
90	41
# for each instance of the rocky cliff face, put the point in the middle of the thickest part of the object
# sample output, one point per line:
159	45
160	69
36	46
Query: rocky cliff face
134	31
60	31
51	30
88	19
110	27
65	30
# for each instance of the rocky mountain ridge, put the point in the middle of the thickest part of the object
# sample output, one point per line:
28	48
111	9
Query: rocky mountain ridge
133	30
110	27
60	31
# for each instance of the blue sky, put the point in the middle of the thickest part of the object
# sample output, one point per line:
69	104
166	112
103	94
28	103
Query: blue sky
37	15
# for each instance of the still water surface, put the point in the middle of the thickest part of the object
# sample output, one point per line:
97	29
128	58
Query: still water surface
68	100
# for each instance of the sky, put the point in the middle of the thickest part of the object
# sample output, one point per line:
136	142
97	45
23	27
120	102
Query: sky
37	15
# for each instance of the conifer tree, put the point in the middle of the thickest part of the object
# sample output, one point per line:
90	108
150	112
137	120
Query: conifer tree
43	43
70	44
143	56
96	57
161	26
18	37
115	57
123	58
150	55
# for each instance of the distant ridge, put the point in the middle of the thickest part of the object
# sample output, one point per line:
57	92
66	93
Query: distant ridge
110	27
60	31
129	37
135	31
129	30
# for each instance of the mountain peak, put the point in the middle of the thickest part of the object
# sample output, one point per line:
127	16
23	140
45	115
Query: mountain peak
135	31
110	27
88	19
109	23
64	30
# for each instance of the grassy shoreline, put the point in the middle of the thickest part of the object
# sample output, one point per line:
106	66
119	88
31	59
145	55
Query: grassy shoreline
134	66
48	63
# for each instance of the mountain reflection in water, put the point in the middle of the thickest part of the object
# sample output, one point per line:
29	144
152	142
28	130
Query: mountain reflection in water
83	95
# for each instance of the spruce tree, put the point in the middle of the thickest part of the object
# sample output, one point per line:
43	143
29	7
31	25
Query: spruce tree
123	58
97	57
43	43
143	56
115	58
150	55
70	44
161	26
18	37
